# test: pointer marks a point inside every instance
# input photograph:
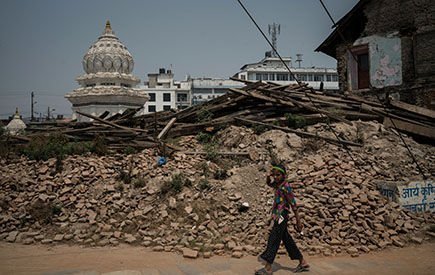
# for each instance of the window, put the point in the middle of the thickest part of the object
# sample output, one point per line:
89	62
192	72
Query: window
265	77
328	78
151	108
335	78
182	97
282	77
257	76
202	91
166	97
271	76
166	107
243	77
318	77
302	77
310	77
152	97
125	85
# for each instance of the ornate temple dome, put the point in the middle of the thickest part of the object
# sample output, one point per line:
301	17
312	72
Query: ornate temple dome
108	54
108	84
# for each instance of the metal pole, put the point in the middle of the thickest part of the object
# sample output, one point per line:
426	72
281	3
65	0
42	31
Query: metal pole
32	118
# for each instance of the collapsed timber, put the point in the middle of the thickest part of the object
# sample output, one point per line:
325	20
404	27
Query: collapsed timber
258	104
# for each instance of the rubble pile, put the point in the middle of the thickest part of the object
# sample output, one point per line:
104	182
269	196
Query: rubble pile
223	205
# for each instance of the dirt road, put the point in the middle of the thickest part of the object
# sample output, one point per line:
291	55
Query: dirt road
62	260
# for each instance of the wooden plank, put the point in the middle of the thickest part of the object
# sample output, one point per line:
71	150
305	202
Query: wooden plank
263	97
412	128
134	130
301	133
308	107
412	108
167	128
362	100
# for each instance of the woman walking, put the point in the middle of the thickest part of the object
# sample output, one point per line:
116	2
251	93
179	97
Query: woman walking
284	200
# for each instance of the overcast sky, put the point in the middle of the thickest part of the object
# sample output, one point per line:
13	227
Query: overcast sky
42	42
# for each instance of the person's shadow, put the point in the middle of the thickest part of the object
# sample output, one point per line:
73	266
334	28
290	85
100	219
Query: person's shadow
275	268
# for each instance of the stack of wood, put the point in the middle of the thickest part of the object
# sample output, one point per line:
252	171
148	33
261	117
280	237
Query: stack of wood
263	103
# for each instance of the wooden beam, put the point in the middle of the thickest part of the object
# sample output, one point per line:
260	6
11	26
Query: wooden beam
412	128
167	128
413	109
134	130
263	97
311	108
301	133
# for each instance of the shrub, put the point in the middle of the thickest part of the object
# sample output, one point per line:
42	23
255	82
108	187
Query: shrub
204	115
259	129
124	176
129	150
205	169
295	121
204	184
211	152
43	147
204	138
100	146
220	174
175	185
139	182
44	211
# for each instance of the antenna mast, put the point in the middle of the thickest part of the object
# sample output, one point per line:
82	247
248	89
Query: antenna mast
274	31
299	59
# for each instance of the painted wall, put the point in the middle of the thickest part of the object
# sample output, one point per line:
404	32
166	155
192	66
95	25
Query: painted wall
385	60
416	196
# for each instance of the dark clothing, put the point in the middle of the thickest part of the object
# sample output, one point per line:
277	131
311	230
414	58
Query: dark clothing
279	232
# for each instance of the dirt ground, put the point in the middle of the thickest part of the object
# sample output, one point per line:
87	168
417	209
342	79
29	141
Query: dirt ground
33	259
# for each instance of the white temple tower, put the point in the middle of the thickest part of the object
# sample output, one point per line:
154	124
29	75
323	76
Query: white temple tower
107	84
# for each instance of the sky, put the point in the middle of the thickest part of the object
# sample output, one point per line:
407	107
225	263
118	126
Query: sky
42	42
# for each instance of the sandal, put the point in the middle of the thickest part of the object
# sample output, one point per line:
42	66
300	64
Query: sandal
263	271
302	268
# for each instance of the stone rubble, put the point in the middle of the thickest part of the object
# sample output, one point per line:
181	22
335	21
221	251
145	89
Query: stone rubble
342	211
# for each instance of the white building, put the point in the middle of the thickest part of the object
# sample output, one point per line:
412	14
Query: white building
273	70
205	89
165	93
107	84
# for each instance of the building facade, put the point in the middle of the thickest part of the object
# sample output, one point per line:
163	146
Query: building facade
388	48
272	69
205	89
107	85
165	93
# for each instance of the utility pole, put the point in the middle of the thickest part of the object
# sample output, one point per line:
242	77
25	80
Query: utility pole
48	113
32	118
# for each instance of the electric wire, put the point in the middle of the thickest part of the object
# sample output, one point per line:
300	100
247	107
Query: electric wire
297	80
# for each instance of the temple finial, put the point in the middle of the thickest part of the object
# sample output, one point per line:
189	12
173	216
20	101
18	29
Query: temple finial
108	29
